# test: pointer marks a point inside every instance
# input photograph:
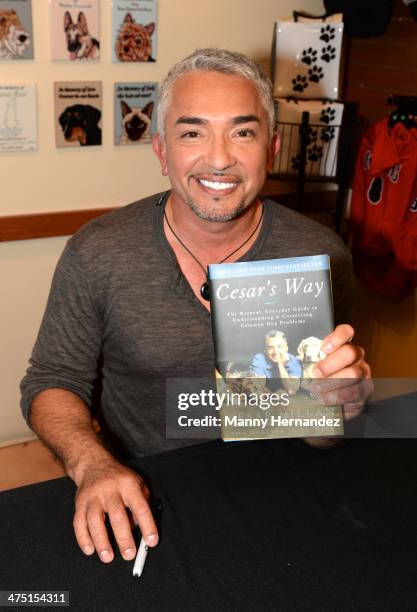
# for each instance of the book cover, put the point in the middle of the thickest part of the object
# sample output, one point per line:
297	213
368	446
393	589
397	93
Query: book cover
75	30
269	319
134	30
16	30
18	118
134	112
78	106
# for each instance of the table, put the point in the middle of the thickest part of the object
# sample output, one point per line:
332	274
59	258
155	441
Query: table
262	525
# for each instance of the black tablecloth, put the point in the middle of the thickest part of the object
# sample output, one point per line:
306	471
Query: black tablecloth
267	525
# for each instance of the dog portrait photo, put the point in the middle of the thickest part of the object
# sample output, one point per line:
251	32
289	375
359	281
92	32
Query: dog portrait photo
134	31
75	30
80	43
79	123
135	113
16	30
78	110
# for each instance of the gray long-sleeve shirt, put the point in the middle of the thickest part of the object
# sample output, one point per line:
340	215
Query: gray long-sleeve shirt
120	300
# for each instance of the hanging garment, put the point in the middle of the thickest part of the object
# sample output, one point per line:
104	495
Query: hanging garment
384	209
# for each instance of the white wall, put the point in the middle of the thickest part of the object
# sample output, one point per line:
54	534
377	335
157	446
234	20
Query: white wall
25	275
68	179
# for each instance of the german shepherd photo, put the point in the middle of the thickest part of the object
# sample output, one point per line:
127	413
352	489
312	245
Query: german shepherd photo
80	44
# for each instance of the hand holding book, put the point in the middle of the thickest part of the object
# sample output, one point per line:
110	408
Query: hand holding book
344	376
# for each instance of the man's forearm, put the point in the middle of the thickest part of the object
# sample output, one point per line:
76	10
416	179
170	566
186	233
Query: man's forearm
63	421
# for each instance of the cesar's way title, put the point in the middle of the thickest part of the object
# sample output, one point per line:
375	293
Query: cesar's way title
291	286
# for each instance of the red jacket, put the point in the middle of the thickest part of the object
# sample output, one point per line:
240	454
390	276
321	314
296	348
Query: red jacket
384	209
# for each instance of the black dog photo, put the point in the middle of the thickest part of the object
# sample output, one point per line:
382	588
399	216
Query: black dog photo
78	113
79	123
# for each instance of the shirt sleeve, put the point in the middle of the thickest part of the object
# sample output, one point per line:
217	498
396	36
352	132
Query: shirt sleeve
258	365
69	341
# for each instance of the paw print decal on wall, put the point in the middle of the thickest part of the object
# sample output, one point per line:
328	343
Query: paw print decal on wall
327	134
328	53
327	115
299	83
327	33
314	153
309	56
315	74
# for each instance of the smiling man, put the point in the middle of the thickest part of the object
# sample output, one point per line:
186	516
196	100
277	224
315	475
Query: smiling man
129	297
216	159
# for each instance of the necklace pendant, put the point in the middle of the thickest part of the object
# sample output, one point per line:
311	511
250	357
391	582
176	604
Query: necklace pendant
205	291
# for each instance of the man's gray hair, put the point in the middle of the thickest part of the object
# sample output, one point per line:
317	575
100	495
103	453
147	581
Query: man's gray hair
276	334
226	62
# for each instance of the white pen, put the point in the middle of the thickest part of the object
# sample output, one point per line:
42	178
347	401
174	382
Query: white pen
143	547
140	558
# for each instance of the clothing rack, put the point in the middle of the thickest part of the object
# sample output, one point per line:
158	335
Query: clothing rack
344	162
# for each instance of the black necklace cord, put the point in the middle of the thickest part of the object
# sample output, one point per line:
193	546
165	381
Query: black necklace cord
204	290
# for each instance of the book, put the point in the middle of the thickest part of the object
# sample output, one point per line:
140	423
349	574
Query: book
134	30
18	118
269	319
78	111
16	31
134	112
75	30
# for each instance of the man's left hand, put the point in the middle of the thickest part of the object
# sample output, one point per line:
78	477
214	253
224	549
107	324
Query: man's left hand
343	376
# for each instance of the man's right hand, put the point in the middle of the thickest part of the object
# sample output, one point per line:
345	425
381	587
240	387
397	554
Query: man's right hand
64	422
107	487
